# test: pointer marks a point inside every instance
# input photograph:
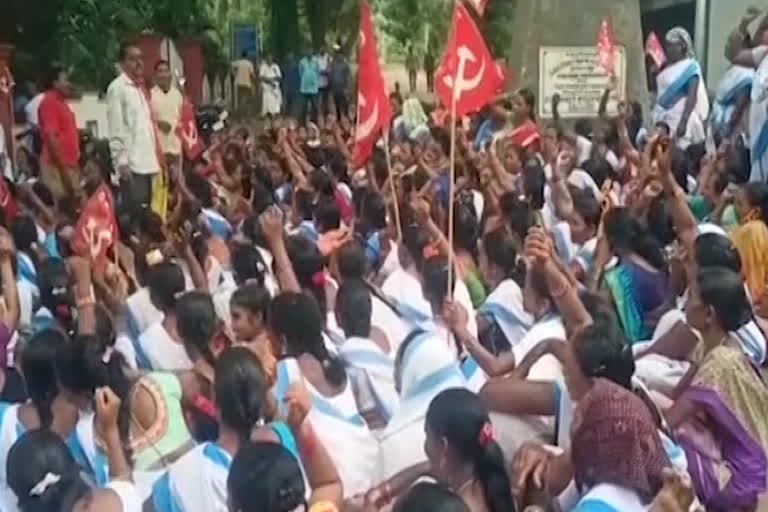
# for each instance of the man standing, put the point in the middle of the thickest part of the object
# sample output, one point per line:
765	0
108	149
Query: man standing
132	141
59	163
324	62
245	76
271	97
291	82
412	65
339	78
429	69
166	105
309	78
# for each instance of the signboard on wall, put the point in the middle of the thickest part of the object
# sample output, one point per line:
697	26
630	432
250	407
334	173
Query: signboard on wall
575	74
246	38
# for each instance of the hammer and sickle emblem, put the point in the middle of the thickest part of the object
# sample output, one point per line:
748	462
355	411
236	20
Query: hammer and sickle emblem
190	135
464	83
366	127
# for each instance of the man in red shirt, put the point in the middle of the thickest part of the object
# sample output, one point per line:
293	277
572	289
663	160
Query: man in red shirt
60	167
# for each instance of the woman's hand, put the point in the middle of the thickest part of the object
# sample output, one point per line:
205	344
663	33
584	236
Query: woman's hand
538	247
529	466
107	411
271	221
455	317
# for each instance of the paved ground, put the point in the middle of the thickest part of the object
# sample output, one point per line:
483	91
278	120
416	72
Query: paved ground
396	73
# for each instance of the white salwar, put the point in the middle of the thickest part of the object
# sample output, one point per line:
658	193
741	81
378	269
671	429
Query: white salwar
425	368
197	482
379	368
673	84
339	426
758	117
271	97
504	306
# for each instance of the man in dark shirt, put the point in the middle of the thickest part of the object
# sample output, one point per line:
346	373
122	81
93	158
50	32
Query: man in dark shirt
290	85
339	82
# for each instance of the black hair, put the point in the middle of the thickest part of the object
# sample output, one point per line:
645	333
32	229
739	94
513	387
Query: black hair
161	62
602	351
599	168
353	306
309	265
42	191
660	223
86	364
429	497
534	181
52	74
247	264
240	390
265	476
681	166
165	281
196	323
327	215
200	188
32	457
626	234
56	292
723	290
502	250
352	262
466	226
530	100
24	232
465	433
716	250
38	365
297	318
586	205
517	213
122	53
435	283
305	203
415	240
252	297
321	183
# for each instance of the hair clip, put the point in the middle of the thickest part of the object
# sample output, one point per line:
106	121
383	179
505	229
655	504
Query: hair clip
40	487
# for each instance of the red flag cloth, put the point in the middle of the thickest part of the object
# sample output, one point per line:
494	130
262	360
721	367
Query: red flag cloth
654	48
606	48
187	131
467	70
96	229
479	6
373	109
7	201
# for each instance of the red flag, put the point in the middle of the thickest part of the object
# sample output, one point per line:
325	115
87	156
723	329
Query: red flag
7	201
96	229
467	70
187	131
373	109
606	48
654	48
479	6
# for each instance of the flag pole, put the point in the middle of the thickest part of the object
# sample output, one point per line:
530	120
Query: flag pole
395	206
451	179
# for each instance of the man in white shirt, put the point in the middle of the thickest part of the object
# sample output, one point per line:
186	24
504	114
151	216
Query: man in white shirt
324	61
271	94
166	105
132	139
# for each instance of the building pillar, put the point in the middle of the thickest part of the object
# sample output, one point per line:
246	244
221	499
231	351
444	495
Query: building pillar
702	33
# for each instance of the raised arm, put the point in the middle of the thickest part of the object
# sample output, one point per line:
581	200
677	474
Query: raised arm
272	225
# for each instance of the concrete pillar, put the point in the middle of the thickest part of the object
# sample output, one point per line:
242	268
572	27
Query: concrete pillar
701	40
568	23
6	98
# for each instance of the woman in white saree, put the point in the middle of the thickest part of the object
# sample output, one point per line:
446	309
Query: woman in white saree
682	102
296	328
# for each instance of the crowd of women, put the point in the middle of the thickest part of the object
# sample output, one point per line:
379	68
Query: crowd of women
291	337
